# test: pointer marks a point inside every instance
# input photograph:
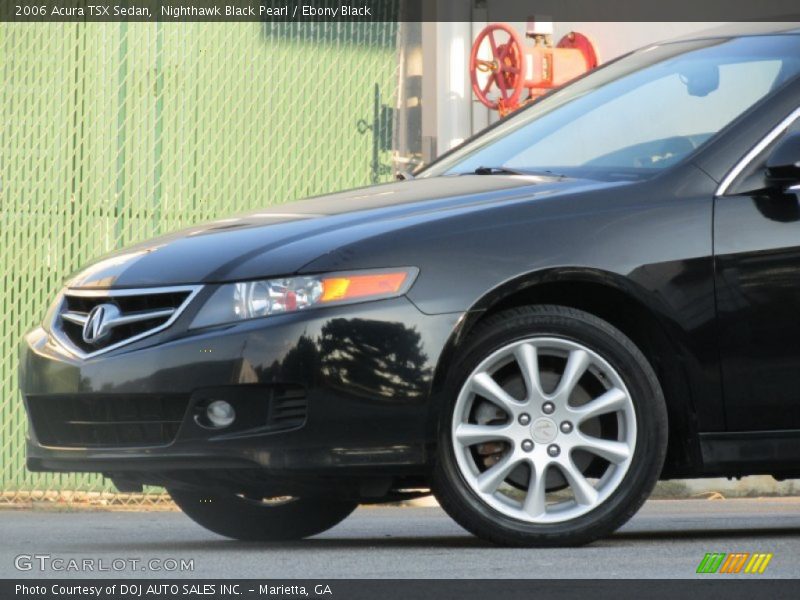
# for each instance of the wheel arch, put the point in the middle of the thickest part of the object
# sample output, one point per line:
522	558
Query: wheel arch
625	305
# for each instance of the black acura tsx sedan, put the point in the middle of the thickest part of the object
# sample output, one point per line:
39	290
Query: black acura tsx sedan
597	292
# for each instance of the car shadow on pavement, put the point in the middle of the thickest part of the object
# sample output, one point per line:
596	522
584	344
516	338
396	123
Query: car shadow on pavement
692	533
222	544
428	542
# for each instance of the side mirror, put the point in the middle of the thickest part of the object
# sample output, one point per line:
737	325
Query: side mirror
783	165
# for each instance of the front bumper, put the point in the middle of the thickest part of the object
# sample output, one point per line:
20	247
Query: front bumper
364	373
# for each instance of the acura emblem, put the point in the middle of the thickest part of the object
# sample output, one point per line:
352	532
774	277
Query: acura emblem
99	322
543	430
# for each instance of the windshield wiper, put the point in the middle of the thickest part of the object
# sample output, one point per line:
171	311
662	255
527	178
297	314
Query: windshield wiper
496	171
507	171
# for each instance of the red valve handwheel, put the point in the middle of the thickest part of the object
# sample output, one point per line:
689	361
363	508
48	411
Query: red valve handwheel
504	68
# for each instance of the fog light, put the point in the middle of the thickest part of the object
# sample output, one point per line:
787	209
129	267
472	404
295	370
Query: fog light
220	413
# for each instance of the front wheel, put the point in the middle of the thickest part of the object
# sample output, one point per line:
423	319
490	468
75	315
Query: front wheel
249	518
555	432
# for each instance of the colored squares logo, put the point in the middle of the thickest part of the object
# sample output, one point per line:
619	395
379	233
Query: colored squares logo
735	562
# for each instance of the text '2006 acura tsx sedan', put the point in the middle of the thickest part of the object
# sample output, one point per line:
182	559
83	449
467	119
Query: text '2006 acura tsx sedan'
597	292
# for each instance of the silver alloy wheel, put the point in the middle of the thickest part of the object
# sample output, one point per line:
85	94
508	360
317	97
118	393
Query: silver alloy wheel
545	430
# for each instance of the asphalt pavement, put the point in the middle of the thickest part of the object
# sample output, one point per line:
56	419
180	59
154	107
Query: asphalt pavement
667	539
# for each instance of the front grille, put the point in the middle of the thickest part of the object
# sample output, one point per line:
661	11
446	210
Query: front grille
127	316
106	420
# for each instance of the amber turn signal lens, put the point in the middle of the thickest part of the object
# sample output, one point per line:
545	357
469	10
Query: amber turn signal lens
362	286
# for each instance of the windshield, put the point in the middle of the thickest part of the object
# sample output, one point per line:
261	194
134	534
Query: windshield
636	116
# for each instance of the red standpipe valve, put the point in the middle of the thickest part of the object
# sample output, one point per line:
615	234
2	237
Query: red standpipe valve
502	67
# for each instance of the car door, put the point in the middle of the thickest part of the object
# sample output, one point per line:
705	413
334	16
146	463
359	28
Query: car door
757	274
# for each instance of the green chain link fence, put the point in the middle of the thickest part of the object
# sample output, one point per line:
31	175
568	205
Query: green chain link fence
114	132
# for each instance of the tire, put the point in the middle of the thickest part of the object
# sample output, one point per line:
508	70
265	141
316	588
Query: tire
257	521
512	473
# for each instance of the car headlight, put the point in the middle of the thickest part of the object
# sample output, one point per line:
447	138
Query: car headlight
265	297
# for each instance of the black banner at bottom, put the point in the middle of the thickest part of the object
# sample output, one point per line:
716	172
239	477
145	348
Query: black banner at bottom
390	589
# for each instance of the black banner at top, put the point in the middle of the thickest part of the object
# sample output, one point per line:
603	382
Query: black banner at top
398	10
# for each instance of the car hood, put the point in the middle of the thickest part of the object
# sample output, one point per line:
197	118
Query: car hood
280	240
